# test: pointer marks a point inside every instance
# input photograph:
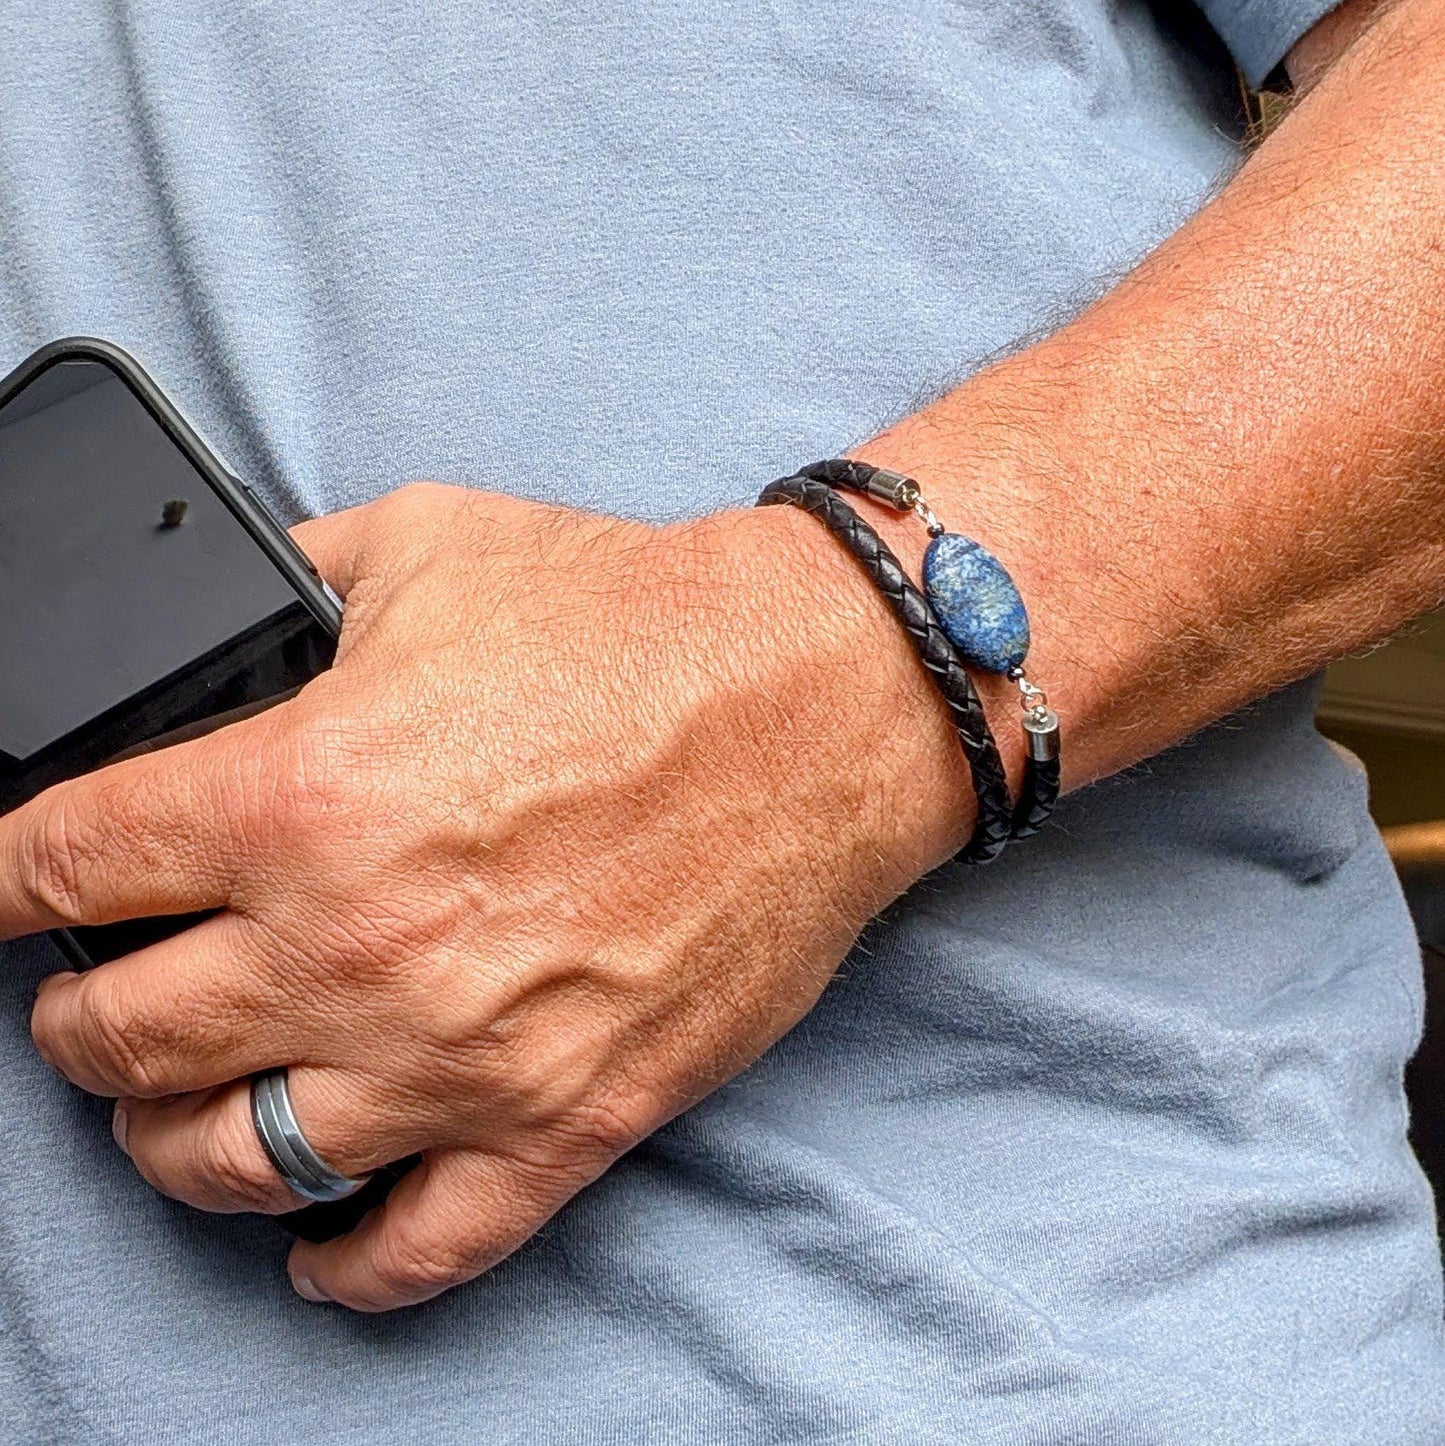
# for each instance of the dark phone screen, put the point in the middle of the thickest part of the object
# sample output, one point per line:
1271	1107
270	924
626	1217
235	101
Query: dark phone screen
133	602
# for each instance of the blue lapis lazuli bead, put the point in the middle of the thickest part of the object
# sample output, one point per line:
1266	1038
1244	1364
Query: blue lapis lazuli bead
977	603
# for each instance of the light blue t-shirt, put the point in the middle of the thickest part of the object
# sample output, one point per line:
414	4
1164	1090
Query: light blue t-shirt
1103	1144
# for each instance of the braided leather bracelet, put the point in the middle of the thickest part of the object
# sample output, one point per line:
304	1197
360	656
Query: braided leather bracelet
982	620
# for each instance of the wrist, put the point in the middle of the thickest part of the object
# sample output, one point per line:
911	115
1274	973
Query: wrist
854	709
1004	461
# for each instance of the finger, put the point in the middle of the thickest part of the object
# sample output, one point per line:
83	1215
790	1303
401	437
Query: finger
203	1148
453	1217
192	1011
336	544
161	833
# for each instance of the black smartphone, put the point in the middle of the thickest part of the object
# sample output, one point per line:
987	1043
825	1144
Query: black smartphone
146	595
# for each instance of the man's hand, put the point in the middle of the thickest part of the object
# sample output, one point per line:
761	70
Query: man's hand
582	820
587	811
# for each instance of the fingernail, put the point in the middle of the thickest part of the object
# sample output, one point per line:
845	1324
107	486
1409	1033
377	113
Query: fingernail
308	1288
119	1124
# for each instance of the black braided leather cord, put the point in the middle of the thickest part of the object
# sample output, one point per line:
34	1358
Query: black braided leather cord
840	472
1040	791
993	826
1037	799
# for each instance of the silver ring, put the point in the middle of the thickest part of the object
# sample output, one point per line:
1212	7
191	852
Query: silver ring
286	1145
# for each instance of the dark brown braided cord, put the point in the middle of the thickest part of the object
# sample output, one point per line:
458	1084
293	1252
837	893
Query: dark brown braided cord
994	824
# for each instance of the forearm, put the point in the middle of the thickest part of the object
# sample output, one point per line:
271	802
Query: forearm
1230	470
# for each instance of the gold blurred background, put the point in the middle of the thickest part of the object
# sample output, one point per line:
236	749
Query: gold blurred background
1388	708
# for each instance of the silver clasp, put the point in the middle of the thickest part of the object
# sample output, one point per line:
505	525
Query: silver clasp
1041	723
904	494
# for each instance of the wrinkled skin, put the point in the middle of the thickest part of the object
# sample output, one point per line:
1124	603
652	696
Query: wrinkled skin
582	820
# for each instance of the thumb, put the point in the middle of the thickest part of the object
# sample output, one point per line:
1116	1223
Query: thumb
337	545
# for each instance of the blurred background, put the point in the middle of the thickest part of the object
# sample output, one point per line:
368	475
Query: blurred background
1388	709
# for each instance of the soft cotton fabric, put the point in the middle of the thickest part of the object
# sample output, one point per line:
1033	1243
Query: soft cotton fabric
1104	1144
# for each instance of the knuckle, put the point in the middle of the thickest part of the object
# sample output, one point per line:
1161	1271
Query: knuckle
316	787
405	1266
600	1126
417	501
53	865
119	1042
233	1161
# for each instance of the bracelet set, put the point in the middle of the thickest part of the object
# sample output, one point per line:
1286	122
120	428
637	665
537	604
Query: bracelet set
968	612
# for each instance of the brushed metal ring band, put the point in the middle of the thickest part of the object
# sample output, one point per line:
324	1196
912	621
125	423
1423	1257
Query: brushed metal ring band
286	1145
